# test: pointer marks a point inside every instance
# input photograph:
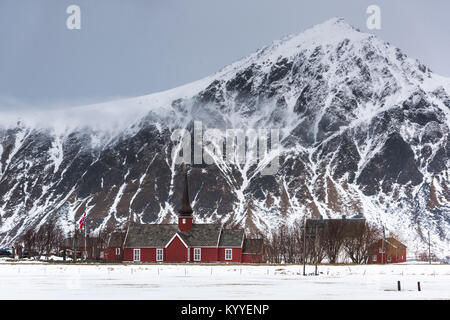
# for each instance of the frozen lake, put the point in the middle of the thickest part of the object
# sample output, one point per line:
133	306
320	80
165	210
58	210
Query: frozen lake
65	281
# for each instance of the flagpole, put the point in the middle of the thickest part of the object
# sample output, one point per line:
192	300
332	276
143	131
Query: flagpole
383	247
85	247
83	224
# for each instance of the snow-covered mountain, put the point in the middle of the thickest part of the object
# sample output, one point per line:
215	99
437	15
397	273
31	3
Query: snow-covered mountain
364	129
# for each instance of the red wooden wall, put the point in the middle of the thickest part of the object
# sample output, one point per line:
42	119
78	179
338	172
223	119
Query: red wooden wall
236	255
147	254
176	251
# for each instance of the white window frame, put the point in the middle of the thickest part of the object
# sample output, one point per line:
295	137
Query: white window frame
228	254
197	254
117	251
159	254
138	252
374	258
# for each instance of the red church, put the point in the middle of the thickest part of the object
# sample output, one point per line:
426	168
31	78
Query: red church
186	241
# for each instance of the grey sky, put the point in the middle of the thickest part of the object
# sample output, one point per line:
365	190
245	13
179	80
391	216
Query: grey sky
136	47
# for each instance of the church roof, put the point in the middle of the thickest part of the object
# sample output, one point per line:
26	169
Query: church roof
395	242
185	209
149	235
201	235
231	238
158	235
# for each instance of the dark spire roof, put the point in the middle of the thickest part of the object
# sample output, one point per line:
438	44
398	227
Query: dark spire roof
185	209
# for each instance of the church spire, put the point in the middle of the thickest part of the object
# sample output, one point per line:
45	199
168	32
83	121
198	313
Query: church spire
185	218
185	209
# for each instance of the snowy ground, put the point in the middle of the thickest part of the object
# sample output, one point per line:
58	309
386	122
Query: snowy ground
65	281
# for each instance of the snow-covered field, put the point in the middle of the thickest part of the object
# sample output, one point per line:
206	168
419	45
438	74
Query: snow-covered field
65	281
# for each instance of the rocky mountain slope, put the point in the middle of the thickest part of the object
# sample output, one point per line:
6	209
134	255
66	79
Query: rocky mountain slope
363	129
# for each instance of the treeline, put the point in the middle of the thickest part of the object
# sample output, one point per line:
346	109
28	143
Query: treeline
49	239
44	241
334	240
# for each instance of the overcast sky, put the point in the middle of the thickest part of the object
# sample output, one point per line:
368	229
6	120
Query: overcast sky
136	47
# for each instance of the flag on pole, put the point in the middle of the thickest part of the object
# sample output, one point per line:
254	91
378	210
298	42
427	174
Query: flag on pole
83	220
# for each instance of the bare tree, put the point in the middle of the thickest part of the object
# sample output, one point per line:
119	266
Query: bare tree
29	242
272	243
53	237
333	238
359	238
45	241
424	256
74	239
319	239
283	245
315	244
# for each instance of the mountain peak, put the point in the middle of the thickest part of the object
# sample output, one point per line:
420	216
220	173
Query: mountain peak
335	22
331	32
328	32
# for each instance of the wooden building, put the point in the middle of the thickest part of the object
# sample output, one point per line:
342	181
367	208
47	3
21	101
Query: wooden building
387	251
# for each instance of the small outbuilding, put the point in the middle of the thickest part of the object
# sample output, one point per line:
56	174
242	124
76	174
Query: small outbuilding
388	250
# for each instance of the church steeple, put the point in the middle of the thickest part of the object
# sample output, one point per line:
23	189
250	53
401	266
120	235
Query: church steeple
185	209
185	212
